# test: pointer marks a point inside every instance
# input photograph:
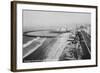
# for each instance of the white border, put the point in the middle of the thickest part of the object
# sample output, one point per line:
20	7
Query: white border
21	65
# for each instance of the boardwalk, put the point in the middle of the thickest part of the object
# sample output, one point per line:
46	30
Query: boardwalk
85	43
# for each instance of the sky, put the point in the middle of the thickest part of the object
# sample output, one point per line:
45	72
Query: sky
50	20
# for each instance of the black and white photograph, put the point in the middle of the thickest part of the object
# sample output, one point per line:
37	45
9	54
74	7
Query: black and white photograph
56	36
52	36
